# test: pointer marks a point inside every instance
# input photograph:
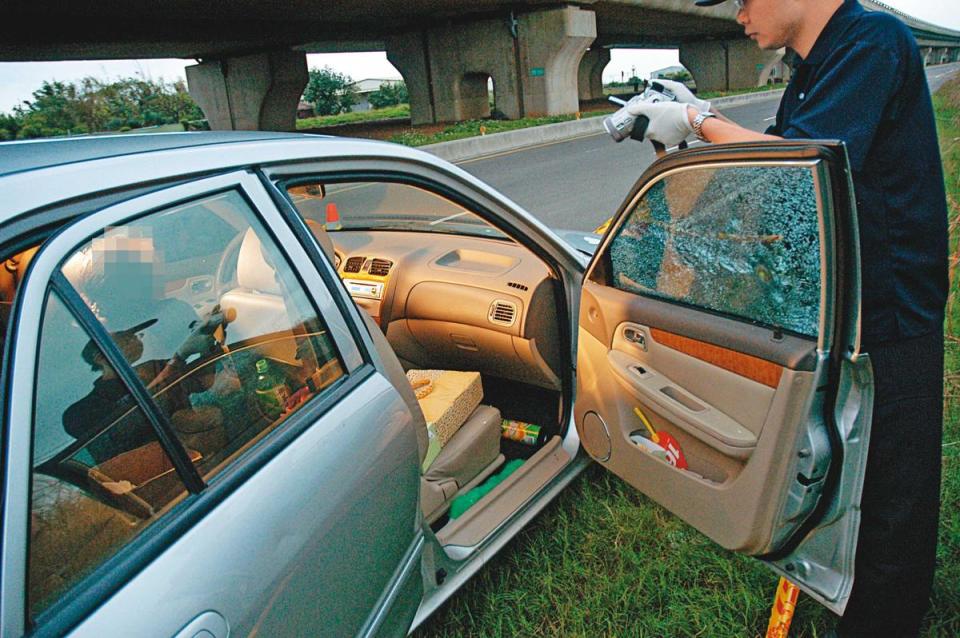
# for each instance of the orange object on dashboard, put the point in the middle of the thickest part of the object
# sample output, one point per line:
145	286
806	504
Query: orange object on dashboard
333	217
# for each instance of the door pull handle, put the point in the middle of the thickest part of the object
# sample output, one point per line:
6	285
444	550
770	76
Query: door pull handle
209	624
636	337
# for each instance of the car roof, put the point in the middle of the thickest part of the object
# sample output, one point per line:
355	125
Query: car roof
16	157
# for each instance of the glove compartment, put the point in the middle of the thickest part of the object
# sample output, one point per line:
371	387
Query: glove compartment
456	303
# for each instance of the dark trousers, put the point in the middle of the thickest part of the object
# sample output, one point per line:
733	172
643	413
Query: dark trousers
896	552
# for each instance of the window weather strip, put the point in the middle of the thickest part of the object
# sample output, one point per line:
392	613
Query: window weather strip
161	425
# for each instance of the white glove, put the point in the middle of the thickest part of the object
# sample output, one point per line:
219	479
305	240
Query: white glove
684	95
669	121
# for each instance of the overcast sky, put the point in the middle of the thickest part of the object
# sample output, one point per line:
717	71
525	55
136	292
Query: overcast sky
18	80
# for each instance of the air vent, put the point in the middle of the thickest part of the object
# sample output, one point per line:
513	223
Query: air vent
380	267
514	284
353	264
502	312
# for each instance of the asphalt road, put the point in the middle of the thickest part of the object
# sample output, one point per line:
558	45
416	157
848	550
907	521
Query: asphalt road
580	183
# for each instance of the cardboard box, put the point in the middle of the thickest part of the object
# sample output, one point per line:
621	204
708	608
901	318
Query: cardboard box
452	399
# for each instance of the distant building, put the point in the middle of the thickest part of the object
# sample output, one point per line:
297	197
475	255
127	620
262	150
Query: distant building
304	109
664	72
363	89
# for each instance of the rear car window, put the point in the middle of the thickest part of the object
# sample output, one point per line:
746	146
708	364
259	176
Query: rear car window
223	339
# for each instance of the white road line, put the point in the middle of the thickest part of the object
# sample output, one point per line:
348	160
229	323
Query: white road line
448	218
769	119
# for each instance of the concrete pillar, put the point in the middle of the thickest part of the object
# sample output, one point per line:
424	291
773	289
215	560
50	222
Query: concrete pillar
408	53
727	65
551	46
590	75
927	53
533	63
250	92
446	70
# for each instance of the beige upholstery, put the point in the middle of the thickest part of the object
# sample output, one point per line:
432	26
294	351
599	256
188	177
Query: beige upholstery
398	378
323	239
258	302
471	449
472	453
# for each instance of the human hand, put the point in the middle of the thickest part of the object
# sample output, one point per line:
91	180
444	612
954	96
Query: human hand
669	121
684	95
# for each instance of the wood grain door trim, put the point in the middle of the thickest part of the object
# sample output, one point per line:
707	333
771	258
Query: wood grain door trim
745	365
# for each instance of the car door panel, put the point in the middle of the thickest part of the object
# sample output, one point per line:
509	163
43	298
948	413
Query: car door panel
258	559
317	524
722	478
710	311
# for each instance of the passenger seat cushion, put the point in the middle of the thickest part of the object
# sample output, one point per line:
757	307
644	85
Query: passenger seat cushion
474	446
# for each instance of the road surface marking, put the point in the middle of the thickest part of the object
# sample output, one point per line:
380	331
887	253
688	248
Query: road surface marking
447	218
768	119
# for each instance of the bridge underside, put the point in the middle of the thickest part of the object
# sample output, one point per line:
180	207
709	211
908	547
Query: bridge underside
251	54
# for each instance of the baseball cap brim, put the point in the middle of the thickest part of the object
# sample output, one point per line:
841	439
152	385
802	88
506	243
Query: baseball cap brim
91	348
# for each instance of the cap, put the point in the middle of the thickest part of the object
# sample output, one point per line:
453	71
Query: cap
91	349
708	3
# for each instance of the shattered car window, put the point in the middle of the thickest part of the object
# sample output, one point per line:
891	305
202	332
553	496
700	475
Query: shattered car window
742	241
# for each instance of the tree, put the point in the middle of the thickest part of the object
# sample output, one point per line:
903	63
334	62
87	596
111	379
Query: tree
51	112
679	76
9	126
389	94
93	105
329	92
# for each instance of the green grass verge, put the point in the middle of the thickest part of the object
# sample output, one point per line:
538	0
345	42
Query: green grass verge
471	128
603	560
390	113
944	619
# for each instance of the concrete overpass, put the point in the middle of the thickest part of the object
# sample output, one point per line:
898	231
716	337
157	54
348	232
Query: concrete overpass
542	55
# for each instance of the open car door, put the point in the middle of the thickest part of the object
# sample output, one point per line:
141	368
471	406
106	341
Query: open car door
718	367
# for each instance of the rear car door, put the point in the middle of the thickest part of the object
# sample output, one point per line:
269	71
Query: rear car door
239	464
718	367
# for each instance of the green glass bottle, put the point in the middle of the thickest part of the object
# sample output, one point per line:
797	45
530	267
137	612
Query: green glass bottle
272	390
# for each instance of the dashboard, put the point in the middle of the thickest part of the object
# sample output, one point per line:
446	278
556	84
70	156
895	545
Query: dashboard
456	302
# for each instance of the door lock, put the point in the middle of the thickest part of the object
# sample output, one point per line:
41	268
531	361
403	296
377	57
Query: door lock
636	337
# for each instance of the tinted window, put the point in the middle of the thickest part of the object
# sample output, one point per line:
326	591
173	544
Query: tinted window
226	340
742	241
99	474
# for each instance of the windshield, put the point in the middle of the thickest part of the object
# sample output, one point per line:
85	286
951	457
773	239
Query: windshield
385	206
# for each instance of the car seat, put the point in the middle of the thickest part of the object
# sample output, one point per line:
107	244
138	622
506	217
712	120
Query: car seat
259	305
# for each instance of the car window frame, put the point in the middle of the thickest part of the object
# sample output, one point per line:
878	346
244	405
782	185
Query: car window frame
22	359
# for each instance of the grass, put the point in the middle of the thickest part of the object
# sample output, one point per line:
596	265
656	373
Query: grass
471	128
603	560
400	111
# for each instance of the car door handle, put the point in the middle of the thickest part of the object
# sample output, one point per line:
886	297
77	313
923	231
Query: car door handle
209	624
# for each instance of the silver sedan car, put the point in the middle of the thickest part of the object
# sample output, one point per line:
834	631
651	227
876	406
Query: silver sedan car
267	384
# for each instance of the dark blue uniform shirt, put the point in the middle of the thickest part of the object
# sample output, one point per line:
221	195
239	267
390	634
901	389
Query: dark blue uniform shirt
863	82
